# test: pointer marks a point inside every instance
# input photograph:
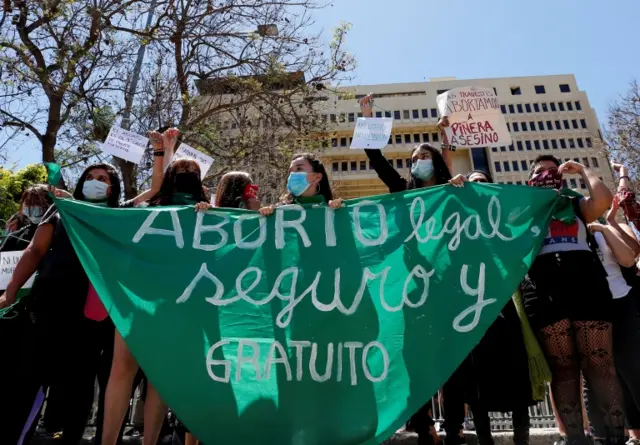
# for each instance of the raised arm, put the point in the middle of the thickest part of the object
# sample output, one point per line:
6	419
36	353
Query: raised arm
600	196
445	147
621	251
387	174
622	230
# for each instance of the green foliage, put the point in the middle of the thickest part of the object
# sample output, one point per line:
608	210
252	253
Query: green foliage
12	184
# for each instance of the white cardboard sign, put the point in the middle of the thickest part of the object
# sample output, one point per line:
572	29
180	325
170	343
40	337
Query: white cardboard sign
475	118
372	132
8	261
185	151
125	144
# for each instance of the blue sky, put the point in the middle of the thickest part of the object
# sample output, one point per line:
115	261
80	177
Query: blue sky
413	40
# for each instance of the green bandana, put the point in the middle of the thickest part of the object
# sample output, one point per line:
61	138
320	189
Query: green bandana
564	209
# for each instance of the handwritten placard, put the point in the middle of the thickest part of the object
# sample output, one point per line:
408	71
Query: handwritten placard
475	119
372	132
185	151
8	262
125	144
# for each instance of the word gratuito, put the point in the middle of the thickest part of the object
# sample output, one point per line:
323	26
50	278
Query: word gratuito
341	358
292	217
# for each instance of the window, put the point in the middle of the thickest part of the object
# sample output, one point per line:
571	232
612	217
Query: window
595	163
387	114
343	142
582	185
434	137
545	144
544	108
564	88
574	184
442	91
515	126
351	141
528	145
515	166
363	165
407	163
512	148
425	113
479	158
583	123
345	166
519	144
569	106
508	126
561	106
416	138
399	163
425	137
494	149
549	125
343	118
334	142
434	113
519	107
536	108
588	142
527	107
405	114
515	91
558	125
415	114
323	118
506	167
390	141
378	113
580	142
335	166
396	115
524	126
554	144
359	114
503	148
497	167
540	89
398	139
574	123
553	106
536	145
354	166
578	105
519	182
566	124
523	164
352	117
565	184
512	110
572	143
585	162
532	126
407	138
503	109
563	143
540	125
332	117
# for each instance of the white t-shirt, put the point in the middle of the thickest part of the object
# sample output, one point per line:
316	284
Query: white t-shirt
563	237
617	284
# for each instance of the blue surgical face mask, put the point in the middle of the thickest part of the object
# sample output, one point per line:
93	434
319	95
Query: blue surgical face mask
297	183
95	190
34	214
423	169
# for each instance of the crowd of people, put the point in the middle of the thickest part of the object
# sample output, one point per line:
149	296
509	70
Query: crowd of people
574	321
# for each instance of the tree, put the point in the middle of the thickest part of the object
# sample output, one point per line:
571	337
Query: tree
623	133
12	184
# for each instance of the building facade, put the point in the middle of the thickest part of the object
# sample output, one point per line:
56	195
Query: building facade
545	115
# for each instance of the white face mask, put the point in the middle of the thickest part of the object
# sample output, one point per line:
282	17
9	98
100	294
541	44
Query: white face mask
95	190
423	169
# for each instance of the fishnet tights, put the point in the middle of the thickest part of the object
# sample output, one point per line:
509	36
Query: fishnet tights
587	346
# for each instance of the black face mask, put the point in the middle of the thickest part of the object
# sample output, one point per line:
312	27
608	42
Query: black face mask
188	182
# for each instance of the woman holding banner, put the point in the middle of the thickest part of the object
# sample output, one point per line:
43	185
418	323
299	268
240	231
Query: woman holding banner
569	303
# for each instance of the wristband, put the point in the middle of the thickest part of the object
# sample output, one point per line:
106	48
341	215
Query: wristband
625	177
158	153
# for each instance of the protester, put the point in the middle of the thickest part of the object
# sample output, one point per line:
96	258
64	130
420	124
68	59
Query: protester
568	302
490	378
236	190
181	186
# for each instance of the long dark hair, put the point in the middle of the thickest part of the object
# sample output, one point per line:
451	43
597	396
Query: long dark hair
324	188
482	172
165	195
231	188
114	197
440	169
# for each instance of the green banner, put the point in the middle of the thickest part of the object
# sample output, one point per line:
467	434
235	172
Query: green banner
311	326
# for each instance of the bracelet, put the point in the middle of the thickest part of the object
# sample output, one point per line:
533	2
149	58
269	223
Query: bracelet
158	153
625	177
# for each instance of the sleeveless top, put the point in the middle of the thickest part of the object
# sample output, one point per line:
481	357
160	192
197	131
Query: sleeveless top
617	283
